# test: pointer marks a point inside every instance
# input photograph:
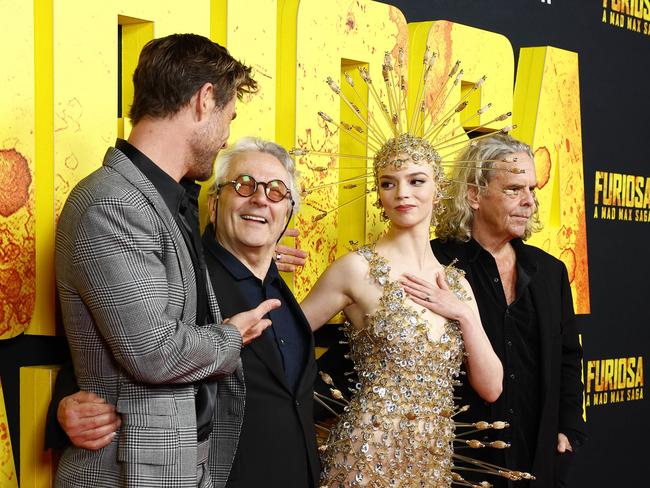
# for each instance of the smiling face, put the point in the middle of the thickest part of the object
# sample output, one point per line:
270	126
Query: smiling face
243	223
407	194
503	209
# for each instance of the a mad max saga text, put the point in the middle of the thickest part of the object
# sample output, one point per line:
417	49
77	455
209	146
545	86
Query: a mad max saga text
614	380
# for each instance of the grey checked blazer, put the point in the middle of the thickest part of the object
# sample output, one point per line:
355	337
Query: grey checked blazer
128	298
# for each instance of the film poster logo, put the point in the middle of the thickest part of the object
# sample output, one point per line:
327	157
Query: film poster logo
632	15
614	381
621	197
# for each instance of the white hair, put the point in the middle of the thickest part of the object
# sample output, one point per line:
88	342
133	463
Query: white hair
246	144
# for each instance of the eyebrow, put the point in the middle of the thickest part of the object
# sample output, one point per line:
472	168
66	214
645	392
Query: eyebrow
517	186
410	175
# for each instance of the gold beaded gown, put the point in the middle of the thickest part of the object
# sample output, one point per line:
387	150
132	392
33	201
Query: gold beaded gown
397	429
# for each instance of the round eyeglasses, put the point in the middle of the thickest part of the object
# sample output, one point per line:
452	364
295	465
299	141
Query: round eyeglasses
246	186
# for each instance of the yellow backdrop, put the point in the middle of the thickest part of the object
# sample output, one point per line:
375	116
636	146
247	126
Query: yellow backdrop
60	110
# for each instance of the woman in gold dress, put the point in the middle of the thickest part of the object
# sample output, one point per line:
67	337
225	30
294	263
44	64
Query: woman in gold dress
411	322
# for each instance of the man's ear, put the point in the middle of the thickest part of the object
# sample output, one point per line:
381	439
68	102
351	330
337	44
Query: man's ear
212	207
203	101
473	197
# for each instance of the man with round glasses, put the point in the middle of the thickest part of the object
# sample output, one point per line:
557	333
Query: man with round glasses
250	205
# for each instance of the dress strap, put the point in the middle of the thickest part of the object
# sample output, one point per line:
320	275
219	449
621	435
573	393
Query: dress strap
380	271
379	267
453	277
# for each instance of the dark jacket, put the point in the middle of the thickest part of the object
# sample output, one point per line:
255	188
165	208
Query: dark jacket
560	356
277	443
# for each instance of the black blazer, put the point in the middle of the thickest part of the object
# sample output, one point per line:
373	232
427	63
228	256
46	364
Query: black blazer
277	443
560	356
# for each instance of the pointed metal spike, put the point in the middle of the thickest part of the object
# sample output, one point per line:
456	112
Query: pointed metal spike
454	70
325	117
333	85
349	79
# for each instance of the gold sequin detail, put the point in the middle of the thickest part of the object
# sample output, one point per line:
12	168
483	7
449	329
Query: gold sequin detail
397	430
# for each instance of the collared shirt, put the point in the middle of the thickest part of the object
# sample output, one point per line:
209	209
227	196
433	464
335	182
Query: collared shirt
513	330
291	341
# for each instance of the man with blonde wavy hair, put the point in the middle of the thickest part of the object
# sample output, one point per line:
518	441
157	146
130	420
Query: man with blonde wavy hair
524	299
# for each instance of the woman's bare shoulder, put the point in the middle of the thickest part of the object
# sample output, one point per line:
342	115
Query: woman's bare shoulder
352	262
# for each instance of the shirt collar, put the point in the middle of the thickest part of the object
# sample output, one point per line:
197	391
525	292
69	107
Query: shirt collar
524	258
171	192
473	250
190	197
233	265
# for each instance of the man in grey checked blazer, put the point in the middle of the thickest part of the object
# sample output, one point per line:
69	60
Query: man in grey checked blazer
130	282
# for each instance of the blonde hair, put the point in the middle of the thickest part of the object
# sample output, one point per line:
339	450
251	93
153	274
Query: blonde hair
455	223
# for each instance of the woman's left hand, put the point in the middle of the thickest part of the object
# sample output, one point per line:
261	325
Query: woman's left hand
436	296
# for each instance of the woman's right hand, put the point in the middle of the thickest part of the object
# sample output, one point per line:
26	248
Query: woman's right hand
436	296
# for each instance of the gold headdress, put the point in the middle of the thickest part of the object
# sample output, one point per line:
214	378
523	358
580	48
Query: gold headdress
423	133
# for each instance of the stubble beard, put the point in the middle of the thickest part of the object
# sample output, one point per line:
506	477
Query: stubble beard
202	156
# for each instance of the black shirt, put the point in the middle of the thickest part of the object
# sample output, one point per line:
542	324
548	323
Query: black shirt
514	333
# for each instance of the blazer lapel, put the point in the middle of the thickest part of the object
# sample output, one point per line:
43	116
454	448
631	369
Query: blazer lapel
115	159
306	379
213	303
266	349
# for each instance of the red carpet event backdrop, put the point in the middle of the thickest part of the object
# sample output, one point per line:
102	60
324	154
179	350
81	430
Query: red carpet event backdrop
573	73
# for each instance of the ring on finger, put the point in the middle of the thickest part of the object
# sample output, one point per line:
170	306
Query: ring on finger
278	256
426	298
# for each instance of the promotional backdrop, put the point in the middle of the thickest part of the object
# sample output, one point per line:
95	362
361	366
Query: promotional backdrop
572	72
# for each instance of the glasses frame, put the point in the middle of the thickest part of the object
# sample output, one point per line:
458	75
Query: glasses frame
235	186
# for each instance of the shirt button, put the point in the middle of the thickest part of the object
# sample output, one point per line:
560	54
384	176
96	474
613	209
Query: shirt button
297	403
510	410
496	280
282	341
509	343
512	376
